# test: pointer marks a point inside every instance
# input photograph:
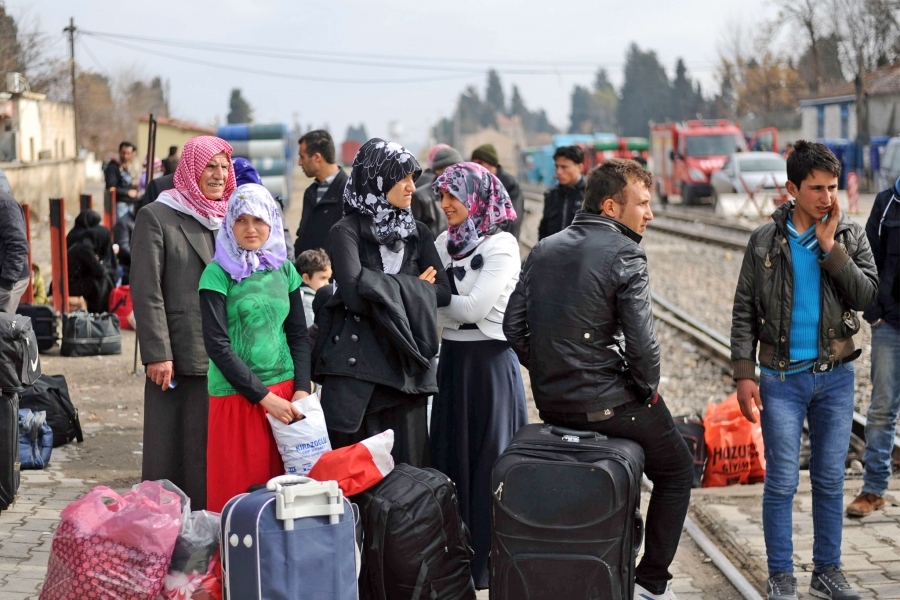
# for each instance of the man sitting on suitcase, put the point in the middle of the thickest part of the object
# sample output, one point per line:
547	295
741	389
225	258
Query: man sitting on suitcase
580	322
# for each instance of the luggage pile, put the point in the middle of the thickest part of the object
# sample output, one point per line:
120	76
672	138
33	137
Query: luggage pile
20	366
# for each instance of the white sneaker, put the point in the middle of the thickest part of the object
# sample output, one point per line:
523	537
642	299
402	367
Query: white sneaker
640	593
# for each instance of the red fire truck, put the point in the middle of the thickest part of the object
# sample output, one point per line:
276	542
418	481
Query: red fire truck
685	154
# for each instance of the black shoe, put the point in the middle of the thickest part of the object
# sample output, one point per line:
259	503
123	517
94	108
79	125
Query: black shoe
831	583
781	586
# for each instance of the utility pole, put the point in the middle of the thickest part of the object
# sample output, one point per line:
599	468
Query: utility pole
71	31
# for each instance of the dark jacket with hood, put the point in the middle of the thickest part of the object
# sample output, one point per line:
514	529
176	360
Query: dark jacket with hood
518	201
319	217
883	232
593	346
561	202
13	243
764	300
376	328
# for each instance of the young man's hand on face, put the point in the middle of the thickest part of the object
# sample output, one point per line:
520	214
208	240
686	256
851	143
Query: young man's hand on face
826	229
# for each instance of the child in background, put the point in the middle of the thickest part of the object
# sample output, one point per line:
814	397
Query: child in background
314	267
255	334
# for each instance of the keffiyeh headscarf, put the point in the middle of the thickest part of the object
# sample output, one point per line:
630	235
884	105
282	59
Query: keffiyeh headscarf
377	168
255	200
186	197
486	199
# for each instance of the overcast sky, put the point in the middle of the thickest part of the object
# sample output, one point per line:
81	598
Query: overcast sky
485	32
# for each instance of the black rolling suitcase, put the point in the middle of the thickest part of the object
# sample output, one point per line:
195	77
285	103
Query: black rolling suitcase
566	520
44	321
9	449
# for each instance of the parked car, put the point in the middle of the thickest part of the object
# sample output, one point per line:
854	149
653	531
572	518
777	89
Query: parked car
4	183
748	171
890	164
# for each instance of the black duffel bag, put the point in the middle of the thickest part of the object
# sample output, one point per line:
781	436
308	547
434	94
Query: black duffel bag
87	334
20	364
692	432
416	544
50	393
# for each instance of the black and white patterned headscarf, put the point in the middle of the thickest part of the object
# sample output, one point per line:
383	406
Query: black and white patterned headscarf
377	168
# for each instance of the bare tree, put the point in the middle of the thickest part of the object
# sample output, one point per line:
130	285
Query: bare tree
869	35
806	15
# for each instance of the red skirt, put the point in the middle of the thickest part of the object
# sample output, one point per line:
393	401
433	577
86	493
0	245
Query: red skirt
241	450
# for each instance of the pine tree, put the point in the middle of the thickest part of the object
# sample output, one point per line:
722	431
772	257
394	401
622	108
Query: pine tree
645	93
241	112
494	97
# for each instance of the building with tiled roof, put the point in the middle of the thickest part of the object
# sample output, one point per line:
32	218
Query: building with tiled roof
831	113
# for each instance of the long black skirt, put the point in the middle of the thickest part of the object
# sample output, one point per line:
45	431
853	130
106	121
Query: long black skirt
175	433
480	406
406	414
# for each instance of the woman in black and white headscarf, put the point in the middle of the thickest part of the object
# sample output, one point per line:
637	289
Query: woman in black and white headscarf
377	336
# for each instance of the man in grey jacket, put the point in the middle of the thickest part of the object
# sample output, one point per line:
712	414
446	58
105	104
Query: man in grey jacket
589	344
803	278
14	267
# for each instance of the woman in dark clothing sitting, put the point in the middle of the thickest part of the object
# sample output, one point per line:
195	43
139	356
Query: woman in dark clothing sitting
93	268
377	337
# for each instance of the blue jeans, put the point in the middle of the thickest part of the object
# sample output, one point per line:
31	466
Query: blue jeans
881	420
826	401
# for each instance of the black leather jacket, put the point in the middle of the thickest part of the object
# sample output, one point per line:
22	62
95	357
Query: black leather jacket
580	318
764	299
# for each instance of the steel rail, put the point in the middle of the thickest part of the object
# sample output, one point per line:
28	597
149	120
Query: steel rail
680	225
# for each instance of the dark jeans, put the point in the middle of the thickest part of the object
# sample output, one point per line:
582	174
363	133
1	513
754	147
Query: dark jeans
668	464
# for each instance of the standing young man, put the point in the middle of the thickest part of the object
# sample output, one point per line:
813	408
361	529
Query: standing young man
323	199
117	175
586	377
563	200
883	231
803	278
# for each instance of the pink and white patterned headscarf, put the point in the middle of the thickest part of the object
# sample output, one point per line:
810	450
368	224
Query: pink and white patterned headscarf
486	199
186	197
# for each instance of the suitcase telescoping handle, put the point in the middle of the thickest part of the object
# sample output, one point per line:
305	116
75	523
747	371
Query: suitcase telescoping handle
576	433
299	497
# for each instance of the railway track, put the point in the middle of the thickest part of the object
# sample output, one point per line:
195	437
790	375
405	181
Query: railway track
717	347
693	225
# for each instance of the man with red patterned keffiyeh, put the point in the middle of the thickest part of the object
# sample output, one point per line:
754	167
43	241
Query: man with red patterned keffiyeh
173	241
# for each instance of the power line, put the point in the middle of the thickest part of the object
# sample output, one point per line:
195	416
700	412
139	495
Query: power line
365	56
365	62
207	63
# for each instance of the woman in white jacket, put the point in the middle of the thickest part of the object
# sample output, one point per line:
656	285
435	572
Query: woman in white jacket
481	403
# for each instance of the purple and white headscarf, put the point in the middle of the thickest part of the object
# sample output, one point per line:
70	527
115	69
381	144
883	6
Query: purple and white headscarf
486	199
255	200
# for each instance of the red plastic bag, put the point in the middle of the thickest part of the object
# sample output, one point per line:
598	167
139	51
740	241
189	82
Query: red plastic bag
358	467
112	547
120	305
734	446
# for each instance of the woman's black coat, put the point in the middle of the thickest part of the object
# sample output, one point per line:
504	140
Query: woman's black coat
353	350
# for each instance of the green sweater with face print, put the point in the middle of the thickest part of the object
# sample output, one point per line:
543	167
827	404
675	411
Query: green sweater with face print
257	308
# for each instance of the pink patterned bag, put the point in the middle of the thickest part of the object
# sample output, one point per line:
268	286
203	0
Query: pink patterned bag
112	547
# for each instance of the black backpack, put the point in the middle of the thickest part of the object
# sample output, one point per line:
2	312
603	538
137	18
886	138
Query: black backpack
691	429
20	364
416	545
50	393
